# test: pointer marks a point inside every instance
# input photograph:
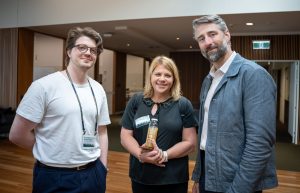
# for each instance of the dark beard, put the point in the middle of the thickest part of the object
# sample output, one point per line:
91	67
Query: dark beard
215	56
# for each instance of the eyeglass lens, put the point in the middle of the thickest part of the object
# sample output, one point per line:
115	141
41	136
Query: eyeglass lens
84	48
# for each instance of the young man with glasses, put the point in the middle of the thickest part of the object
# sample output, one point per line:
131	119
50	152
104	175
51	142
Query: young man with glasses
62	118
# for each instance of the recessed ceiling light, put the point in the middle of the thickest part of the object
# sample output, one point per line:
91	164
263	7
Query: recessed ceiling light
107	35
128	44
122	27
191	47
249	24
177	38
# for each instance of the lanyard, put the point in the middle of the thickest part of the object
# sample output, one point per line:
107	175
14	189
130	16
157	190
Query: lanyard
82	122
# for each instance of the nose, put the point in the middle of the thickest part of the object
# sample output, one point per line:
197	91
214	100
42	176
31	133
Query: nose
88	51
162	78
208	41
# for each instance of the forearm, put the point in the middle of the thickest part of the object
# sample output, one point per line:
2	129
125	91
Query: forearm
130	144
186	146
22	132
180	149
103	143
26	140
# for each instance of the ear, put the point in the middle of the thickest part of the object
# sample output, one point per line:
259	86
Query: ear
227	35
69	53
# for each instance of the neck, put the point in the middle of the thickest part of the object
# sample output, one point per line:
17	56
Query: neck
78	76
160	98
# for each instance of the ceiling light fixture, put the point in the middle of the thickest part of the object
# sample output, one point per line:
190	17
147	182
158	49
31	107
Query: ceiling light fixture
250	24
123	27
177	38
107	34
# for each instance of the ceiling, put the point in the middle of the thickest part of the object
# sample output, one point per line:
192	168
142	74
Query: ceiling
151	37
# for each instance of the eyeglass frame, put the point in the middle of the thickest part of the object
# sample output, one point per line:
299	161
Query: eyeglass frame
93	50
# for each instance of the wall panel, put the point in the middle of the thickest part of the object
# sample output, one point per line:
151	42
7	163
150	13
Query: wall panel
25	62
283	47
193	68
120	83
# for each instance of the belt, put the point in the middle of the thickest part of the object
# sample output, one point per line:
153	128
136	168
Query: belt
83	167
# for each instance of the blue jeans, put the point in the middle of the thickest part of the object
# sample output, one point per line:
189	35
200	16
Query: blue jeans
61	180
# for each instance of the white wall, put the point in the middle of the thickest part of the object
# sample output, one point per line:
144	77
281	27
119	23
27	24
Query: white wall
48	55
21	13
106	69
284	91
134	73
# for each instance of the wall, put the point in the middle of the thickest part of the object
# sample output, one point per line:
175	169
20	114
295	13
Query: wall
8	67
20	13
134	74
48	55
106	69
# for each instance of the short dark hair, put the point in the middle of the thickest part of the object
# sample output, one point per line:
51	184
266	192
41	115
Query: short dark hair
77	32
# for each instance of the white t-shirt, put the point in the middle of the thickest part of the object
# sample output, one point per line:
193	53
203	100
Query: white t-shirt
51	102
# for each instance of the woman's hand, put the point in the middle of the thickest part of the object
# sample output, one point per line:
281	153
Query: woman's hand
154	156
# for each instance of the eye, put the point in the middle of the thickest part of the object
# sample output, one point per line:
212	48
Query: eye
213	34
157	74
200	39
82	48
93	51
168	75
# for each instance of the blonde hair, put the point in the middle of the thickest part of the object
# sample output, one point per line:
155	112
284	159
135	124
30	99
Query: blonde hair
170	65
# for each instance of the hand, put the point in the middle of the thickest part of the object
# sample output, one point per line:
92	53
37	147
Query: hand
154	156
161	157
195	188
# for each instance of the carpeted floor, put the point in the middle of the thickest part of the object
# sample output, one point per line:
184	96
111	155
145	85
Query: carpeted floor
287	154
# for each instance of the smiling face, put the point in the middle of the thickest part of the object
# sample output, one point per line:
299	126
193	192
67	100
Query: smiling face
162	81
80	57
213	42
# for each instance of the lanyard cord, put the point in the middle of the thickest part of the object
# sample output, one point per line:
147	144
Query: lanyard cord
80	107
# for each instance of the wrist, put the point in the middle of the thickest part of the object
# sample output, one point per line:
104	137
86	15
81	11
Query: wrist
165	155
139	157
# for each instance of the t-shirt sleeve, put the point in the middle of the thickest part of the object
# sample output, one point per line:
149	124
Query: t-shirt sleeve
187	113
130	110
32	105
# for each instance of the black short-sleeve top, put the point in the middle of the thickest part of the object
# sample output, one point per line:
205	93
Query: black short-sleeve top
173	117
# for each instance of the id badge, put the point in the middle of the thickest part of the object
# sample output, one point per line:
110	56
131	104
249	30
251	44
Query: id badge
88	141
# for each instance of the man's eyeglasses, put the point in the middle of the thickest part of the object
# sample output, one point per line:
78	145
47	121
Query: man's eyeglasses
84	48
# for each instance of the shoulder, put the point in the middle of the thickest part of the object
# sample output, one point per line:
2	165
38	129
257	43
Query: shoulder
183	100
252	73
246	64
56	76
51	80
184	104
137	98
247	68
46	81
97	85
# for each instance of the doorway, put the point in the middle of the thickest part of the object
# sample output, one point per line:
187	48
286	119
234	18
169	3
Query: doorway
286	77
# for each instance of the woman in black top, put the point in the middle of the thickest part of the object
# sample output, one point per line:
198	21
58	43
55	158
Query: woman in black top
165	168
